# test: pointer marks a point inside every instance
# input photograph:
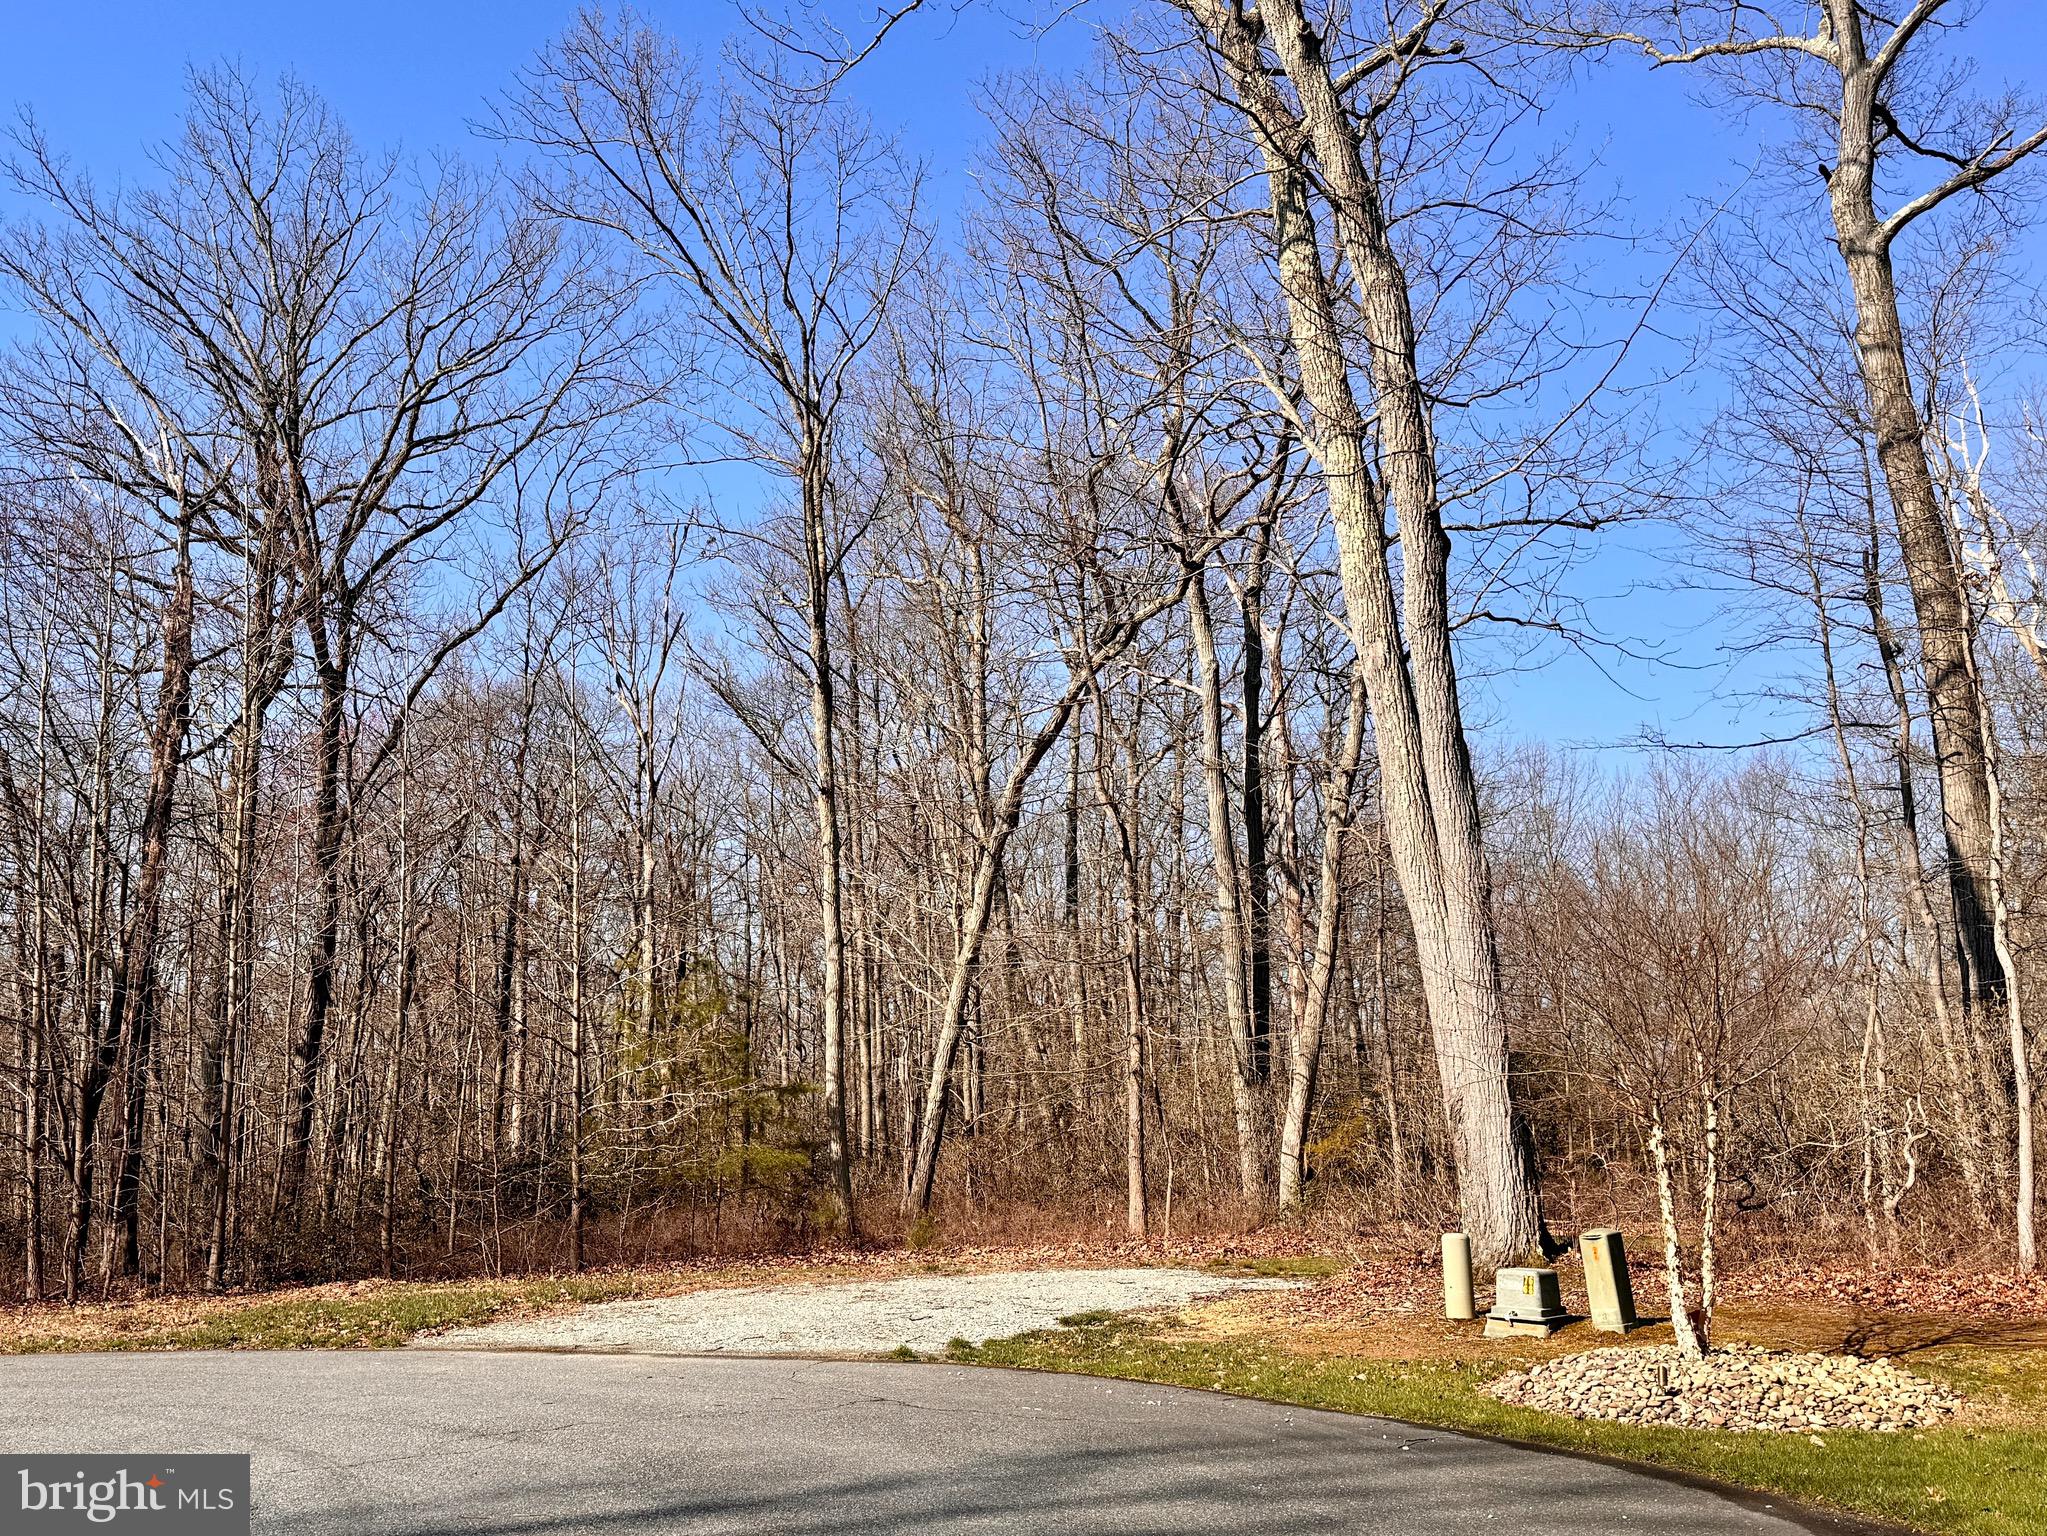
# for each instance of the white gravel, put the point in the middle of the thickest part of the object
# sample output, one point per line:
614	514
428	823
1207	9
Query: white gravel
873	1317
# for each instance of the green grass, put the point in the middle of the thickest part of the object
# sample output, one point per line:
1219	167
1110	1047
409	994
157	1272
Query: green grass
382	1317
1978	1479
1970	1481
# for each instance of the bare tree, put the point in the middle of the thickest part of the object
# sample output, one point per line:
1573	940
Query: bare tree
1312	94
1872	116
1694	980
1338	796
785	225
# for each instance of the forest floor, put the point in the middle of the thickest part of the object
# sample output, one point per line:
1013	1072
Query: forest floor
1363	1336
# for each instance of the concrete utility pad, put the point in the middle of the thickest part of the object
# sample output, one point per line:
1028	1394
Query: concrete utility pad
869	1317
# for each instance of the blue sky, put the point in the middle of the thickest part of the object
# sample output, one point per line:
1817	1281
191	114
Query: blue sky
107	79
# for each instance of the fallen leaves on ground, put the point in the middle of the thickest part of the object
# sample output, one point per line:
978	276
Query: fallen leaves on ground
388	1311
1376	1278
1906	1288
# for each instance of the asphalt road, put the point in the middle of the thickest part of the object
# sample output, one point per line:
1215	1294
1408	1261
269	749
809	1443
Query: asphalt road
498	1444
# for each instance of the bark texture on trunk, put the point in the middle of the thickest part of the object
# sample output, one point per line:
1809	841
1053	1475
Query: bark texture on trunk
1404	643
1246	1080
331	668
130	993
1954	711
1306	1055
1972	1089
831	856
1687	1338
1257	862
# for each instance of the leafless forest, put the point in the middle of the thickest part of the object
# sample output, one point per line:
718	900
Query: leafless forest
644	689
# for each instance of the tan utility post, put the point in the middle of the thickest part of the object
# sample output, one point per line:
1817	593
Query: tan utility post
1607	1286
1457	1277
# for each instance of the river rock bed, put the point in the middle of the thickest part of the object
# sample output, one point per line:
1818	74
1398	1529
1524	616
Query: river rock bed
1737	1387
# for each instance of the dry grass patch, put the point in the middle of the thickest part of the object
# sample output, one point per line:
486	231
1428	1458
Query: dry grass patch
375	1314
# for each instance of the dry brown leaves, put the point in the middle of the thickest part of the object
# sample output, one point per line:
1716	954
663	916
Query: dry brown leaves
1387	1278
1368	1288
1907	1288
52	1324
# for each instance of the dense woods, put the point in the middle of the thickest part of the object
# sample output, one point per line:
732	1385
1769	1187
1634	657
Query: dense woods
659	691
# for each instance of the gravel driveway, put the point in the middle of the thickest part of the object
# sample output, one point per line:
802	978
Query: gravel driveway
873	1317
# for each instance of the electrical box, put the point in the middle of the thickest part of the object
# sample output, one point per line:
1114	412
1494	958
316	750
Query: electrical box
1525	1301
1457	1303
1607	1287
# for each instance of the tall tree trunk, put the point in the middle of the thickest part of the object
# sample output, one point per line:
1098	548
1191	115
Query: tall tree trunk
1120	803
167	750
646	935
1076	943
1337	794
1133	963
1426	785
138	1066
1382	1018
1257	880
830	841
101	1023
330	829
1970	1107
37	1017
1136	1210
1246	1081
129	997
578	1048
1938	601
507	1016
2023	1192
409	930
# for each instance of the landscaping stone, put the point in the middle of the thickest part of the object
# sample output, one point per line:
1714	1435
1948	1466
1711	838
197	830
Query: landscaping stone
1733	1388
